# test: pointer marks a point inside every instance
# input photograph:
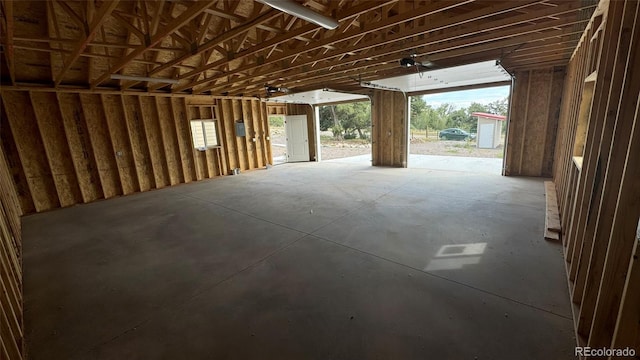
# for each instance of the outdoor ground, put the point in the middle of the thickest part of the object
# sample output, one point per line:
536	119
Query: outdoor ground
333	149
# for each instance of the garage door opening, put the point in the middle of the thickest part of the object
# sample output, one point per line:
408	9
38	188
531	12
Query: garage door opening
459	130
345	132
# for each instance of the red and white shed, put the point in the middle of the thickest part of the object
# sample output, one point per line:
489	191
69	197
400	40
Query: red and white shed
489	130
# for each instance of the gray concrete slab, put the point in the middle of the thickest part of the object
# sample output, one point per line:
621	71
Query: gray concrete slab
273	264
438	162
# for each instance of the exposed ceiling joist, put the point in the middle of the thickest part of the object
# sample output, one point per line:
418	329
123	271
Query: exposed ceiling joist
237	46
102	14
7	10
175	24
440	42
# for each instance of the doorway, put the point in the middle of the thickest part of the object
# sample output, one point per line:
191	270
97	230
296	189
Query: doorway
297	138
278	139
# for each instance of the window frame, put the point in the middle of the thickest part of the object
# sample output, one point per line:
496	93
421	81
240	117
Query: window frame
202	122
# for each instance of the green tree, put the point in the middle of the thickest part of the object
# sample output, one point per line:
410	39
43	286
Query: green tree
499	107
354	117
326	120
459	119
276	120
476	107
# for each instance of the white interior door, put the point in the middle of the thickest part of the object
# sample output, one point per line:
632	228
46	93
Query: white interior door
485	136
297	138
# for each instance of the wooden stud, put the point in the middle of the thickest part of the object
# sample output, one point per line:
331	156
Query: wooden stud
80	148
14	164
117	126
241	146
228	126
29	144
103	152
266	133
183	132
250	146
57	152
599	135
619	196
209	154
169	140
257	134
627	331
199	159
138	141
221	152
156	146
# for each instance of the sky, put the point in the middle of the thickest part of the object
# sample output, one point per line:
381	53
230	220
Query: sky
462	99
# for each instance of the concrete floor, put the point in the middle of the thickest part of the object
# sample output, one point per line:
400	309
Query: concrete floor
302	261
437	162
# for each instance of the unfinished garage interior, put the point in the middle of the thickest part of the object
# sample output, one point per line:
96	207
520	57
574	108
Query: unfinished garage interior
142	219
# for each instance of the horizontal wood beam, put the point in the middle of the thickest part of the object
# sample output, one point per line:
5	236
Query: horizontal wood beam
9	32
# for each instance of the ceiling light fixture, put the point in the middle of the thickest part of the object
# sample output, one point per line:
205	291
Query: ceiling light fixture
293	8
143	78
407	62
275	89
410	62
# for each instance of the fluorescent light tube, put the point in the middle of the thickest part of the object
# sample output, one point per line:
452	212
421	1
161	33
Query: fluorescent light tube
143	78
293	8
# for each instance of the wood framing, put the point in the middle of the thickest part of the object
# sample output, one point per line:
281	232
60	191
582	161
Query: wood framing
389	128
71	134
596	159
100	146
533	122
217	48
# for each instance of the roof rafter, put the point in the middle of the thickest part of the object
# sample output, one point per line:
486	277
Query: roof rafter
102	14
449	47
173	25
7	10
428	27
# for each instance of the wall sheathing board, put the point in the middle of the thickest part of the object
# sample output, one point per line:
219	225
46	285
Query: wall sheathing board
138	139
155	143
599	207
389	133
169	139
31	150
101	145
183	133
66	148
247	115
227	131
14	164
81	150
199	157
240	142
535	109
118	131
